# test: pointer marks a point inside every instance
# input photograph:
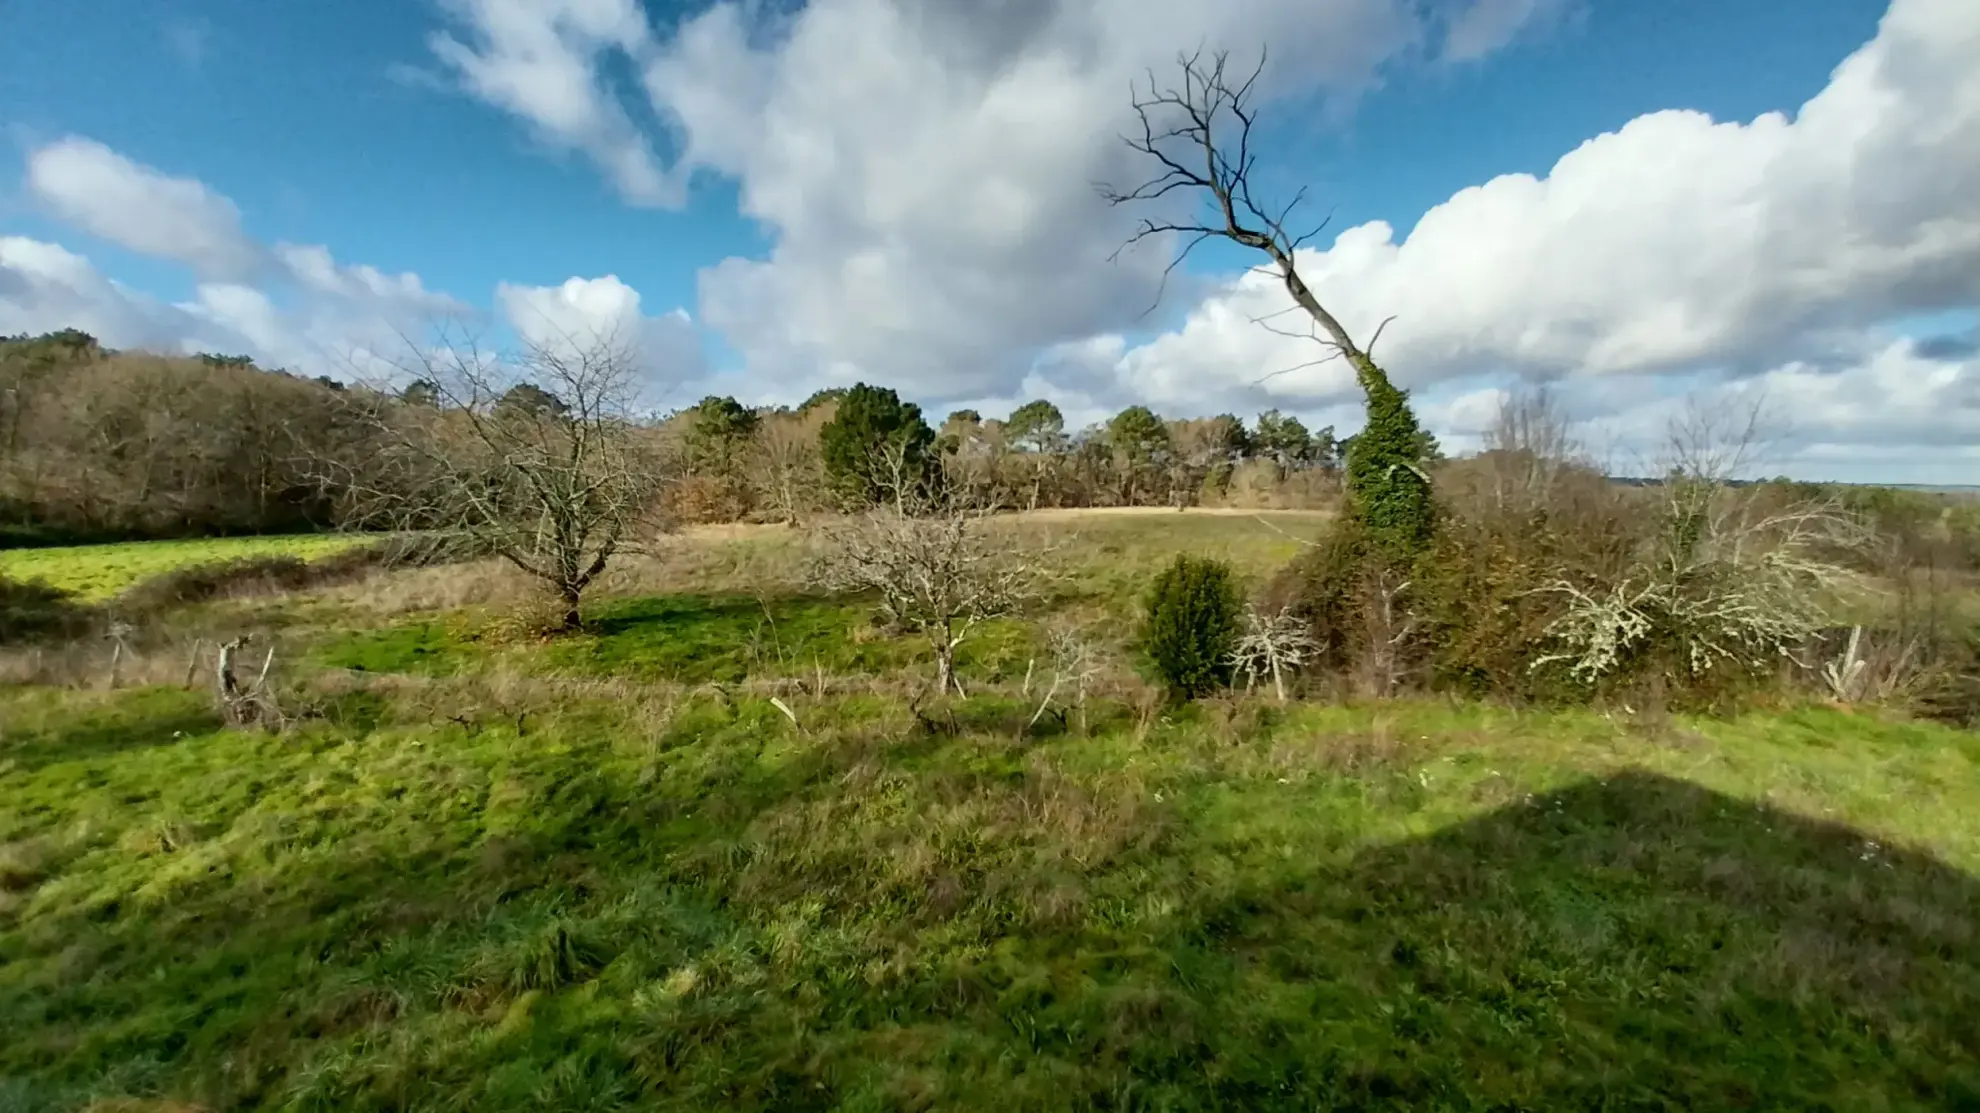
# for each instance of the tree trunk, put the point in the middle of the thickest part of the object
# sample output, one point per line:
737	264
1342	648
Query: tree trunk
573	619
945	669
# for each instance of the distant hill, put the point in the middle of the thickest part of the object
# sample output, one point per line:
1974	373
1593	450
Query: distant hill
1929	488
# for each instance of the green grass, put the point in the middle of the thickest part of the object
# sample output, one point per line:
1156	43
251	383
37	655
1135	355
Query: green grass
692	905
688	639
96	572
608	885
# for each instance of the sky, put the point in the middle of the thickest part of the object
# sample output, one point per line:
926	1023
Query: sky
1654	209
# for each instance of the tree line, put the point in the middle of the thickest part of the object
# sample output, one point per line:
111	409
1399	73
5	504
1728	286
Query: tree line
103	445
99	445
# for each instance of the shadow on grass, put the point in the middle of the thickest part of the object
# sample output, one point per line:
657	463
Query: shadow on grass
927	923
142	719
727	638
1633	943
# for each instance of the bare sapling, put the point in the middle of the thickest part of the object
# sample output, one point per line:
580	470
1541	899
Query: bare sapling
939	564
1273	646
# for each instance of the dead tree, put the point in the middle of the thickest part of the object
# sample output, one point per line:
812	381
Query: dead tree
1199	136
245	704
536	459
1183	131
119	636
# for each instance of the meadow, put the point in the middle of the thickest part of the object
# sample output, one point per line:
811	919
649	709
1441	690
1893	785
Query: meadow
718	852
98	572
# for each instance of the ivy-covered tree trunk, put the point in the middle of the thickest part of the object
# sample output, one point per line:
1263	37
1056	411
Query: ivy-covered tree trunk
1387	488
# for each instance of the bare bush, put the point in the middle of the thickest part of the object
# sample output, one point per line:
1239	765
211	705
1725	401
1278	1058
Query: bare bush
1273	645
1730	580
1074	664
938	563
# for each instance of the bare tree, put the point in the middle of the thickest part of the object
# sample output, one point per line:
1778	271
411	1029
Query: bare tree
535	459
939	563
1529	446
783	465
1199	136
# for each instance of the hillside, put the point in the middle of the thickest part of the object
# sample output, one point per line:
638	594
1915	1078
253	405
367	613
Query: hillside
480	872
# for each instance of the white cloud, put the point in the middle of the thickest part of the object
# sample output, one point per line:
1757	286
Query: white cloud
107	195
927	169
537	59
1887	410
44	287
1673	244
926	172
287	305
585	313
1488	25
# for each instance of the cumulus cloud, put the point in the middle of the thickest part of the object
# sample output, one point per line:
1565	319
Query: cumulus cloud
107	195
585	314
927	170
536	59
286	304
1673	244
1892	409
44	286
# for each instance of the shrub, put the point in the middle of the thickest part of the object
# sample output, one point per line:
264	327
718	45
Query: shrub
1728	586
1324	587
706	500
1508	531
1191	626
198	583
35	611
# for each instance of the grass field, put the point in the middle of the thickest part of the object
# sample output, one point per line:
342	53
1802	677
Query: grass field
609	873
96	572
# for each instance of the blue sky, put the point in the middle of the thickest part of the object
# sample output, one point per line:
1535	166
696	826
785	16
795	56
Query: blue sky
303	115
341	125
